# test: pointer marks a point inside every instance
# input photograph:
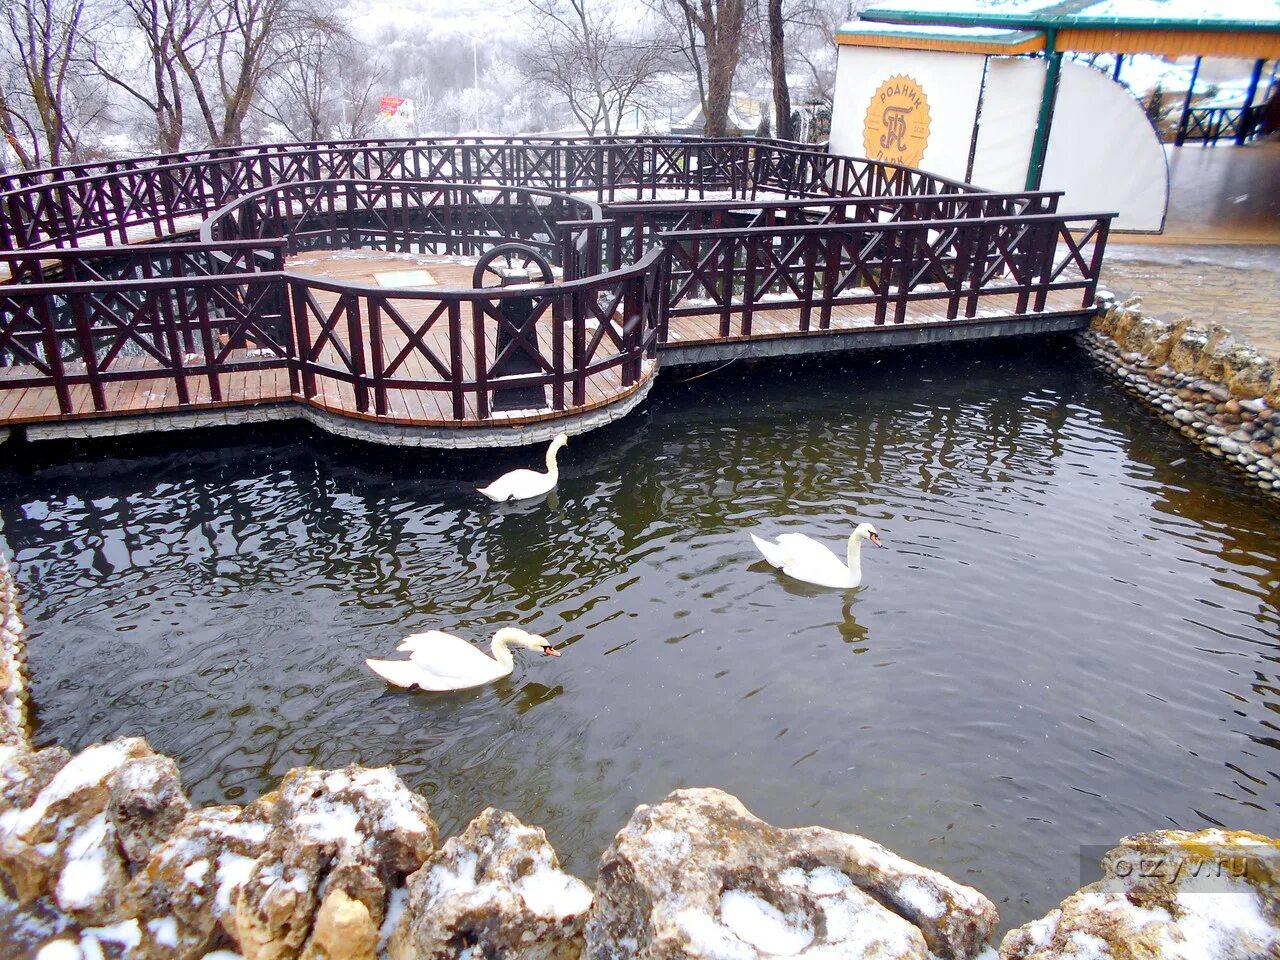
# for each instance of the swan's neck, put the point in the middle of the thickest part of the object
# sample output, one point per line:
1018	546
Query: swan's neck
552	451
501	649
855	555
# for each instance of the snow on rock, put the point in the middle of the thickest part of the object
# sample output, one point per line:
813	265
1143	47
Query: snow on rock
356	831
698	877
182	896
764	926
498	887
24	773
60	949
1168	894
146	804
106	841
57	837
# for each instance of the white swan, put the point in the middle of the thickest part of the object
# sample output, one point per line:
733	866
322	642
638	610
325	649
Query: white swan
526	484
805	559
441	661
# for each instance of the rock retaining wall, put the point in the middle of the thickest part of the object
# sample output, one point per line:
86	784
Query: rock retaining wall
13	717
1215	390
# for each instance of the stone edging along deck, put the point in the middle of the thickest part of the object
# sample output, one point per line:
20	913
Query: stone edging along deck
1214	389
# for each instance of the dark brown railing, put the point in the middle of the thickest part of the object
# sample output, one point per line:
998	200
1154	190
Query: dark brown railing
131	200
399	215
190	330
813	241
884	266
641	223
446	342
344	347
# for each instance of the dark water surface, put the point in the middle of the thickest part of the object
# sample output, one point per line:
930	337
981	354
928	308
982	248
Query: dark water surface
1071	636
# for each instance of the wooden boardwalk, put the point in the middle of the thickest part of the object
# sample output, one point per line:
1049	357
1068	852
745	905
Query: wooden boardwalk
270	383
425	405
103	317
421	361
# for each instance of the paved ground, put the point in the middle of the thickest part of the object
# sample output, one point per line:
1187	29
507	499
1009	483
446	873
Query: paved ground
1223	194
1236	285
1219	257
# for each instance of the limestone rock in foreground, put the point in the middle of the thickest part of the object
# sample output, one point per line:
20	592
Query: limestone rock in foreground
340	842
182	898
1169	894
497	887
698	876
62	841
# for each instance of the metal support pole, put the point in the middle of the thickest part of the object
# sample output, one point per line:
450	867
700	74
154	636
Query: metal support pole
1115	74
1186	105
1242	132
1040	145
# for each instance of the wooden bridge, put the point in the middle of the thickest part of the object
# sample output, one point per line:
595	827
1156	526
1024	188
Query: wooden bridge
334	281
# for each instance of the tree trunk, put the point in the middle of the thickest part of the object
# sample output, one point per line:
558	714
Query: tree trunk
719	93
722	39
778	68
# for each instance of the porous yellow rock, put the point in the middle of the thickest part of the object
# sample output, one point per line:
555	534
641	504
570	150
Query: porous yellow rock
343	930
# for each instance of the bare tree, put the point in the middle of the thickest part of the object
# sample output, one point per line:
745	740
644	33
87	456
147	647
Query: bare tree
169	30
323	84
718	24
44	40
601	69
242	43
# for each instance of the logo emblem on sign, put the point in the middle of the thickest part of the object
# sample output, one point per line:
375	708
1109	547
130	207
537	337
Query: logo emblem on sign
896	129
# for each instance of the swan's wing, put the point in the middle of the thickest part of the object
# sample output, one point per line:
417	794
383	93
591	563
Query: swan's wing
516	485
428	640
771	551
799	548
810	561
446	655
410	673
836	577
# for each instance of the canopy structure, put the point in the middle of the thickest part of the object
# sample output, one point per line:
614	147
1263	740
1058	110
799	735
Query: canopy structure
1046	29
1239	28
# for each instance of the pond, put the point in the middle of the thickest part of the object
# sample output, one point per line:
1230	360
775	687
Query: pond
1070	636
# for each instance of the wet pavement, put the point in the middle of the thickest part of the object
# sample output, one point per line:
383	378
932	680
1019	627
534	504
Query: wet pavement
1219	256
1235	285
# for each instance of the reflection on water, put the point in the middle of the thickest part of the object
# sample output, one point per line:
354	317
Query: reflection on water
1071	636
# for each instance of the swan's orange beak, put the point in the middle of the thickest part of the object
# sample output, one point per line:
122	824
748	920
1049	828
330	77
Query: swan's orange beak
875	538
550	652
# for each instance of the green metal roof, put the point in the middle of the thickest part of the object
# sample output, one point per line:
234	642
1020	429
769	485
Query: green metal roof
1251	16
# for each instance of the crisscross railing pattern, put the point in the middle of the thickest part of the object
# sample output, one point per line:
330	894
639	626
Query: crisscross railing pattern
658	240
384	347
812	270
401	215
185	333
122	201
641	223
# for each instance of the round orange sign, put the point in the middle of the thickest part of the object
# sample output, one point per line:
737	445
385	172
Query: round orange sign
897	126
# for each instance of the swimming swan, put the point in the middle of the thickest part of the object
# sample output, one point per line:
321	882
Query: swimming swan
526	484
805	559
440	661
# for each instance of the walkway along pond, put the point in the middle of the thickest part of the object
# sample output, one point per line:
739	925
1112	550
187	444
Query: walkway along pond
658	253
